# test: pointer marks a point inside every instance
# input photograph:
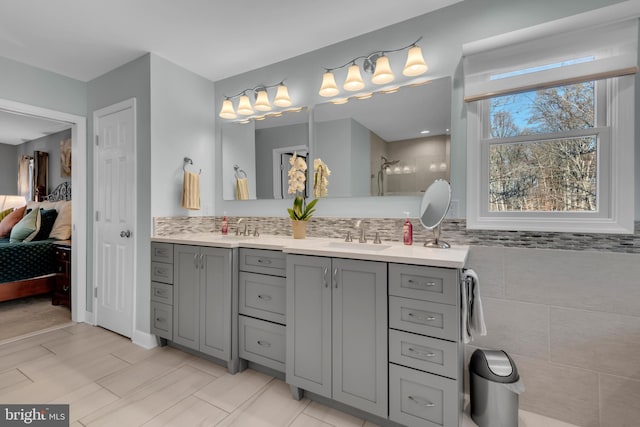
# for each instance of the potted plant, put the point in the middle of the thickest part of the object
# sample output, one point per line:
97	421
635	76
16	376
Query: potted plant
302	211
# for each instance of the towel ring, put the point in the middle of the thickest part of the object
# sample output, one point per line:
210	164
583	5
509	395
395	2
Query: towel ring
239	172
187	160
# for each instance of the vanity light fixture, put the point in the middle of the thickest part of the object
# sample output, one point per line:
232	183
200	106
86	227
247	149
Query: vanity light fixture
376	63
261	96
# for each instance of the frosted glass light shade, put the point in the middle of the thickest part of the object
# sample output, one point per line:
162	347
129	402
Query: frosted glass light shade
227	110
415	64
262	101
329	87
354	80
282	97
244	106
383	73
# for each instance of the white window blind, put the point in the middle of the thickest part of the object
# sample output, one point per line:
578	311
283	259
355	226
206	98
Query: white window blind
569	50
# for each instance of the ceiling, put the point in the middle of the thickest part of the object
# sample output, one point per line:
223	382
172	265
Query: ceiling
16	129
213	38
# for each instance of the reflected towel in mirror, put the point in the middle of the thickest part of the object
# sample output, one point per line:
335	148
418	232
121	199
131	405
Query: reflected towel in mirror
242	189
191	191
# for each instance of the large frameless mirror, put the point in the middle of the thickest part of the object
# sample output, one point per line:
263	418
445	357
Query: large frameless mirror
255	155
389	144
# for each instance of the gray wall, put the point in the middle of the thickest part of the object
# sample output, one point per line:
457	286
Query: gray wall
51	145
444	31
34	86
8	169
181	126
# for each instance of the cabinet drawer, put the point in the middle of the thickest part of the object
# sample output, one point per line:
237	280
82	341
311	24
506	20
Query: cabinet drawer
263	296
162	272
162	252
162	292
263	261
425	318
424	353
262	342
425	283
162	320
63	255
418	399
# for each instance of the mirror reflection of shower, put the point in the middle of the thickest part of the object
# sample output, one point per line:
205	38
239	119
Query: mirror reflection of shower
384	164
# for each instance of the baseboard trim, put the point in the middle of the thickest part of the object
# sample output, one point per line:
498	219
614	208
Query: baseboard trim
144	339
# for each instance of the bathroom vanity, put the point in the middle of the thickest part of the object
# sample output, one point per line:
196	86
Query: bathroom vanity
373	327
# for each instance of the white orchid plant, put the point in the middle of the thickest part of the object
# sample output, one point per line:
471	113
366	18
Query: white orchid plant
303	211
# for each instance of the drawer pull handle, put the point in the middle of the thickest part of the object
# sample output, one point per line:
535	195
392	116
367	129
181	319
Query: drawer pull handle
264	343
422	353
428	284
264	261
422	318
65	288
324	277
264	297
422	402
161	271
159	319
161	252
159	292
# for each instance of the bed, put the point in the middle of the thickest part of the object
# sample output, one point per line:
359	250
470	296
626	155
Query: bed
29	268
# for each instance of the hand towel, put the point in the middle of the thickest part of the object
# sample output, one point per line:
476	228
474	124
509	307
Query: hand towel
242	189
191	191
472	314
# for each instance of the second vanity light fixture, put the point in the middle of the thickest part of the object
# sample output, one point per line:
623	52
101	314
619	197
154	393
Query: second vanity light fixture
261	97
376	63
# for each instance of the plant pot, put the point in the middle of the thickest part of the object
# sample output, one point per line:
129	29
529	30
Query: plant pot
299	229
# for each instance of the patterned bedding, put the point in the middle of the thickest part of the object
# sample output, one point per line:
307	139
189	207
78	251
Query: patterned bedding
26	260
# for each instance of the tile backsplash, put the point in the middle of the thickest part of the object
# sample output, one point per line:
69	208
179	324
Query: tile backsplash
390	229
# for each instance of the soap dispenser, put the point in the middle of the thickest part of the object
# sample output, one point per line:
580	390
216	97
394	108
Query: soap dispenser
407	230
225	224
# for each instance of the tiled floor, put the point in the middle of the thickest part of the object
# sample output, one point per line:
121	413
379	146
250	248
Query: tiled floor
108	381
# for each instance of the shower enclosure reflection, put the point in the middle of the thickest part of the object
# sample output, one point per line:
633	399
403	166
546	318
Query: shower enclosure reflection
390	144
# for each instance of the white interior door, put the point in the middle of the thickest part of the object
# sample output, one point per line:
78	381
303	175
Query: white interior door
114	202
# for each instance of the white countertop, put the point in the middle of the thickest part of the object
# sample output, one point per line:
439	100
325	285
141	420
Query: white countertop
454	257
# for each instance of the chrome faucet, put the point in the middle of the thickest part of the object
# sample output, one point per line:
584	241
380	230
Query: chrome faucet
362	226
238	233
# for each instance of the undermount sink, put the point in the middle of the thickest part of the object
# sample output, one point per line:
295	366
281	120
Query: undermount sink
358	246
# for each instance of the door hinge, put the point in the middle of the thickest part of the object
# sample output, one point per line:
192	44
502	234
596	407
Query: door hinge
95	292
97	137
97	216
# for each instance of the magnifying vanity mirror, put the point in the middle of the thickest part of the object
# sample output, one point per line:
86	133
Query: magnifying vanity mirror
433	209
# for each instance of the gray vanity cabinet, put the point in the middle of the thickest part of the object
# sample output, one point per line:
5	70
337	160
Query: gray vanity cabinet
337	330
202	299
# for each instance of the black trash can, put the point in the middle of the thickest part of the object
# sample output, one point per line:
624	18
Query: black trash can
495	387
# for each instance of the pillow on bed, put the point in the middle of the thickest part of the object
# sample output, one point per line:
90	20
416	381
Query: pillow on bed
62	226
47	219
27	228
5	213
10	220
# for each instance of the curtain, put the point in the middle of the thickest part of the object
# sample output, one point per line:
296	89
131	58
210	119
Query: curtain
550	55
40	175
24	177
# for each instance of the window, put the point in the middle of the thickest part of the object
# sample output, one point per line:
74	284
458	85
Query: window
550	132
542	149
